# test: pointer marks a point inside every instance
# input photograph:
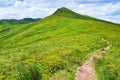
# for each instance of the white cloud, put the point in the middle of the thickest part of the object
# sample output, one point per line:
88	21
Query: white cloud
100	11
41	8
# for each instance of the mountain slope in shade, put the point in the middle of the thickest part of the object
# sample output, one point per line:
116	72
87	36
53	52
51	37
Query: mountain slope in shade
21	21
53	48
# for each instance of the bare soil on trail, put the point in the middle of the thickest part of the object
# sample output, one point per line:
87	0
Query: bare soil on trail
87	71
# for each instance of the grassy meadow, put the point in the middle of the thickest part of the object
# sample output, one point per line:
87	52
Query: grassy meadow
53	48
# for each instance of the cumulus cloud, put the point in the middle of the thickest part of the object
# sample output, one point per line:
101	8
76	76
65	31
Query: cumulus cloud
103	9
96	1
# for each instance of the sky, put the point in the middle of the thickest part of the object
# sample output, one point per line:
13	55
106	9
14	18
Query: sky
17	9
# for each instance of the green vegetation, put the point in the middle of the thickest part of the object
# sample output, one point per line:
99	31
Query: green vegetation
53	48
21	21
108	68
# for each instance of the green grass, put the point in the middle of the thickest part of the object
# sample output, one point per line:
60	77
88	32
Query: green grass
108	68
55	46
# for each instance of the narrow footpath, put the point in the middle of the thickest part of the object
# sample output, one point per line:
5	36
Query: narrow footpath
87	71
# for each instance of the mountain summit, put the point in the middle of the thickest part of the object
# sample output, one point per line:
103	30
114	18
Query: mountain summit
65	12
71	14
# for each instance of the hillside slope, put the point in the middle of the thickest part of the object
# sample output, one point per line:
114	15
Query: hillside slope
55	46
10	27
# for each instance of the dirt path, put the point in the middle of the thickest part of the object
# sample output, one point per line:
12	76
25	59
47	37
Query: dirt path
87	71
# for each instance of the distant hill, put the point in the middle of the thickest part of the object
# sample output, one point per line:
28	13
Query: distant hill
24	20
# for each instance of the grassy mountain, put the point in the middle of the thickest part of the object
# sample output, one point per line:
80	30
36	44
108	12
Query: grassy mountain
14	21
26	20
71	14
53	48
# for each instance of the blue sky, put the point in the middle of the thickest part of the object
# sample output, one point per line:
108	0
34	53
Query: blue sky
18	9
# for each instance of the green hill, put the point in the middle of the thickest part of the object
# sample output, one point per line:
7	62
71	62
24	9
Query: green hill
71	14
21	21
53	48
